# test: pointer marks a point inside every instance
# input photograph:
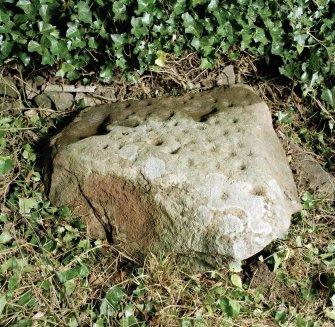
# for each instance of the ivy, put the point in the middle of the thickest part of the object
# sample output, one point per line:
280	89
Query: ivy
129	34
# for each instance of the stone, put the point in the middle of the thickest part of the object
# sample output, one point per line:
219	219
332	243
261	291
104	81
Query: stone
8	88
107	93
31	89
310	174
227	77
12	105
202	176
43	101
61	100
85	100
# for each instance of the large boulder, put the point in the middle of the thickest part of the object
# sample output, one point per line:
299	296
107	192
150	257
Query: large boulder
201	176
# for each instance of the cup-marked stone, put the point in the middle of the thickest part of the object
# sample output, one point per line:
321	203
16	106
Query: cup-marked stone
201	176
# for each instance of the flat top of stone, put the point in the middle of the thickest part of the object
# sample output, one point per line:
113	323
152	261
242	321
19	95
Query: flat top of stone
199	106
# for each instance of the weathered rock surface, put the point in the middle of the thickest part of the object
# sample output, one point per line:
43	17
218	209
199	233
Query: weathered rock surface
62	101
43	101
8	88
202	176
227	77
310	174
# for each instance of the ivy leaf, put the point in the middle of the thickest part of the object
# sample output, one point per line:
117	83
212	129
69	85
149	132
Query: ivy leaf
84	271
196	43
308	200
73	30
6	48
70	286
5	237
191	25
230	307
25	5
44	12
119	10
58	48
213	5
47	58
198	2
115	296
259	36
66	67
278	260
84	12
45	27
206	63
328	95
45	284
161	58
13	282
5	165
67	275
300	38
92	43
47	10
25	58
290	70
236	280
138	29
73	75
179	7
146	6
246	39
111	303
119	40
27	299
146	19
26	204
16	265
34	46
106	73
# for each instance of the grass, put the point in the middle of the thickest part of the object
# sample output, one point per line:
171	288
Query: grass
52	274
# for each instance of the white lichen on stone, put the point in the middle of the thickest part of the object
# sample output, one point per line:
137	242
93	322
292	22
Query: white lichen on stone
204	215
232	225
154	168
225	194
129	152
276	189
240	249
259	226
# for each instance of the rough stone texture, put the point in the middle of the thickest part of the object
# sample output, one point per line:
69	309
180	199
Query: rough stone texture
43	101
13	105
8	88
310	174
86	100
62	101
202	176
227	77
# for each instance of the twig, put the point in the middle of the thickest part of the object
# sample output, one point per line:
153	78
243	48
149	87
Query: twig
17	128
322	107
